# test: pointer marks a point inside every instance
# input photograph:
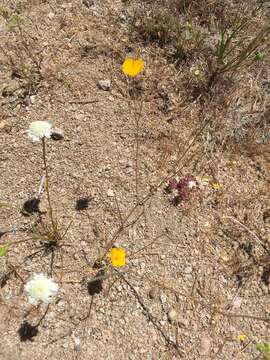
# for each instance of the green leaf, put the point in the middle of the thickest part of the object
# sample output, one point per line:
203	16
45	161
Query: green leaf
3	250
14	20
4	12
259	347
258	56
263	347
2	205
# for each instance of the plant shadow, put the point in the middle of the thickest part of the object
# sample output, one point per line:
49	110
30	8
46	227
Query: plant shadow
95	286
2	233
82	204
27	332
31	206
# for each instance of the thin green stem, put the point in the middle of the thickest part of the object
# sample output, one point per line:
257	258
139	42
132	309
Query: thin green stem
225	49
178	168
138	147
47	185
137	116
18	242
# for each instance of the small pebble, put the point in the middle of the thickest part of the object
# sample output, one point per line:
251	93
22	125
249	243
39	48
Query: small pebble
3	124
182	322
51	15
172	315
65	345
77	342
188	270
163	298
57	134
236	303
123	17
104	84
3	29
61	303
153	293
110	193
33	99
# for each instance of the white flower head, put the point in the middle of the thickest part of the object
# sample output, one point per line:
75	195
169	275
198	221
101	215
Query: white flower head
192	184
40	289
175	193
39	130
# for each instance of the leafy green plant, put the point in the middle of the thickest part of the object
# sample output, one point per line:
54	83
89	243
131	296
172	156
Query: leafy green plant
4	12
258	56
50	234
3	250
14	21
264	348
160	28
230	54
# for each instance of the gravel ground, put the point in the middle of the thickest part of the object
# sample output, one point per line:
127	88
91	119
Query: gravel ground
197	274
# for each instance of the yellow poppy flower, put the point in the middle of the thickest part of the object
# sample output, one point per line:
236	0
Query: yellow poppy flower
216	185
224	257
241	337
118	257
132	67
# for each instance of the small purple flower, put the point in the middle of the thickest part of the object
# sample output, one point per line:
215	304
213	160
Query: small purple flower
173	184
182	188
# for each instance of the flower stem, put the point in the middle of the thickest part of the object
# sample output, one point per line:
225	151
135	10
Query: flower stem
138	116
47	185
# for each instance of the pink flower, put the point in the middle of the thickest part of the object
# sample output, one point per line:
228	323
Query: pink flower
182	187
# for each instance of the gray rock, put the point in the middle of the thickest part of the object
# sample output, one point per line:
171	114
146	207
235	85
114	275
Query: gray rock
110	193
163	298
57	134
188	270
173	315
3	124
153	293
88	3
104	84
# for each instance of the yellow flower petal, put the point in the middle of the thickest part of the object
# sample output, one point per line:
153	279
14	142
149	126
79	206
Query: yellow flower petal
205	180
118	257
224	257
241	337
132	67
216	185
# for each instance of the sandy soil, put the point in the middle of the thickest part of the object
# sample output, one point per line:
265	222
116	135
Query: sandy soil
207	258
